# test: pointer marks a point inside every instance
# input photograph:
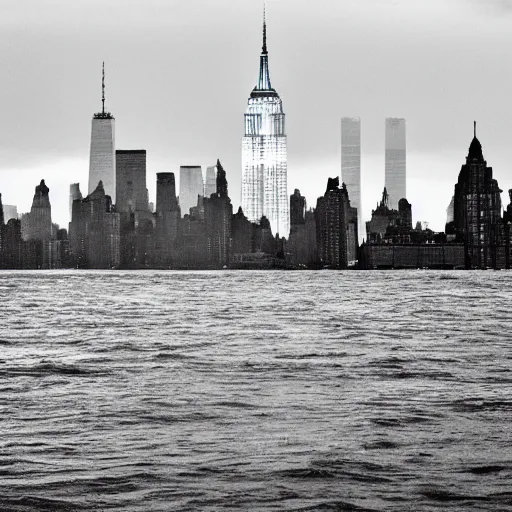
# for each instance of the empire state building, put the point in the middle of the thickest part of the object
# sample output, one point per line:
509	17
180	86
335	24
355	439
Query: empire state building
264	167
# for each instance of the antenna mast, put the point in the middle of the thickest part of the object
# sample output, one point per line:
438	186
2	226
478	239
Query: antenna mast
103	89
264	49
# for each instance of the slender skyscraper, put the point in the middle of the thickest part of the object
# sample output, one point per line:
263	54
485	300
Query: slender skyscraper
210	185
264	155
102	163
351	164
395	161
191	186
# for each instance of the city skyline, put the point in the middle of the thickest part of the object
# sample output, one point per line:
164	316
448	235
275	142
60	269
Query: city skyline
53	144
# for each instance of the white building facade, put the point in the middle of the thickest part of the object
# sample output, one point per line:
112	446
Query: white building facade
191	186
351	166
264	154
395	179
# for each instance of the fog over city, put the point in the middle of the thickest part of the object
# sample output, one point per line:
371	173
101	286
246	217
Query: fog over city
178	75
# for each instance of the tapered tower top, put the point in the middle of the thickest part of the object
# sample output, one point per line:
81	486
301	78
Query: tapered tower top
475	148
264	87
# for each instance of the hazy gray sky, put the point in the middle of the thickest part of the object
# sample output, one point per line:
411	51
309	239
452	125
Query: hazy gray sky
179	74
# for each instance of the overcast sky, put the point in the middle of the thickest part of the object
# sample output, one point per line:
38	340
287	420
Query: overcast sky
179	74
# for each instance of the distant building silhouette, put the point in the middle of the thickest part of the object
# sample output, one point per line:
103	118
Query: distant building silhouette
264	153
74	194
10	212
218	211
94	232
450	211
301	245
390	225
102	162
395	178
192	239
297	209
11	242
41	248
132	194
191	186
336	224
37	225
166	200
241	232
351	164
167	220
137	222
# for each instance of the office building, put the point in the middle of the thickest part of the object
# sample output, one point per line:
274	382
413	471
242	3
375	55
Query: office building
336	227
477	210
131	191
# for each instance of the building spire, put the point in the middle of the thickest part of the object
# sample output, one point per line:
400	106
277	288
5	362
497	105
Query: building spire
264	78
474	129
264	49
103	89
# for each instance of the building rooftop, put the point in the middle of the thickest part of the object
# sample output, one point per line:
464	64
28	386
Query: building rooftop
103	115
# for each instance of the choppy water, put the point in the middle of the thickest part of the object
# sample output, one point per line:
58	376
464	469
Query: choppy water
157	391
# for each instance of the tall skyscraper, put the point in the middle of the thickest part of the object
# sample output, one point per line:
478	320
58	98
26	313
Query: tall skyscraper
210	184
102	163
477	210
351	164
264	153
191	186
395	179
